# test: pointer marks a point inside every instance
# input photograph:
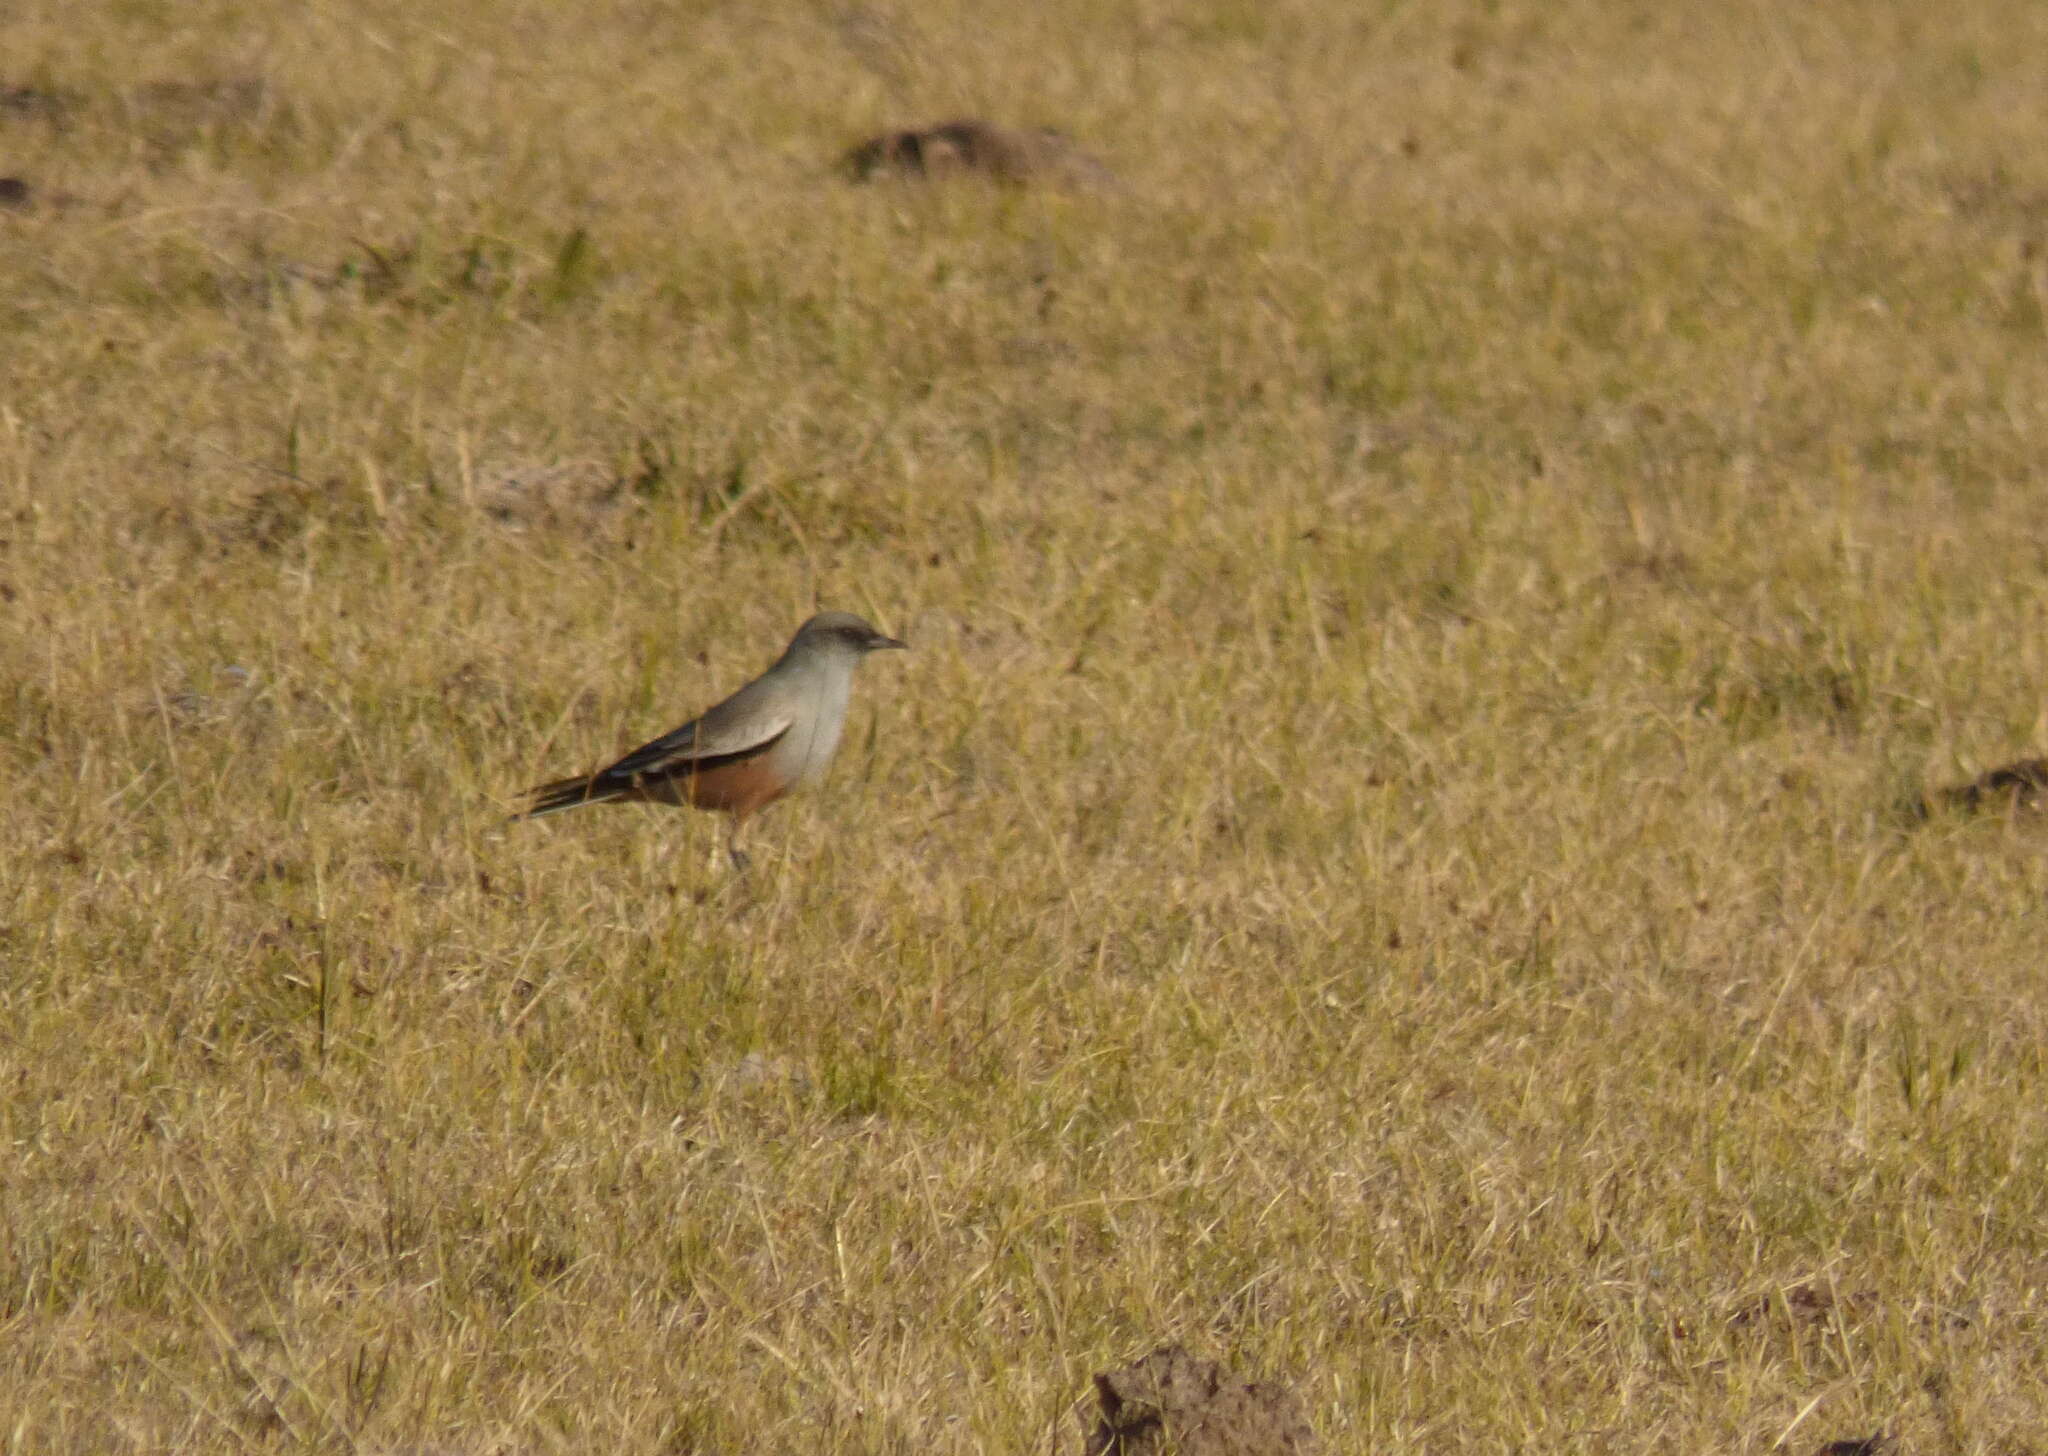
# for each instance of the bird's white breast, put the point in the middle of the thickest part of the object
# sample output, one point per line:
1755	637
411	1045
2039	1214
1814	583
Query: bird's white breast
815	743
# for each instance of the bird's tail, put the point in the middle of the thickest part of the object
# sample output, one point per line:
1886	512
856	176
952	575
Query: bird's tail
552	798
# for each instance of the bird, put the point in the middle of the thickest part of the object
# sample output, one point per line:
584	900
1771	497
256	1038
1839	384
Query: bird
776	734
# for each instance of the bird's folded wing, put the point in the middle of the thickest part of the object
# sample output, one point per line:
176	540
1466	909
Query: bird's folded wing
695	742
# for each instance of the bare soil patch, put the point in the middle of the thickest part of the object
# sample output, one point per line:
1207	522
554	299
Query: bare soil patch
971	147
1170	1401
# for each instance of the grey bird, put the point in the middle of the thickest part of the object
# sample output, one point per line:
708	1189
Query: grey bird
776	734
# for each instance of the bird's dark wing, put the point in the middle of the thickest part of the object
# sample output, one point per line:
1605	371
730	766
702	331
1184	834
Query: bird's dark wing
699	744
696	742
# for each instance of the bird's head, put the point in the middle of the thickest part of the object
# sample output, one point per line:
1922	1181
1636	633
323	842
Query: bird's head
842	634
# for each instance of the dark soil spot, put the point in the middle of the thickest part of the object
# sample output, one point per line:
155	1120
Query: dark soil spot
969	147
1878	1445
2019	785
1802	1304
573	494
1171	1402
188	105
36	103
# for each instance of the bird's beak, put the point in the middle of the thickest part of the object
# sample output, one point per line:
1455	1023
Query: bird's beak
878	643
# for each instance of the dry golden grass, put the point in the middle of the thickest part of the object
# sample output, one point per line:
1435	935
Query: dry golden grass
1384	863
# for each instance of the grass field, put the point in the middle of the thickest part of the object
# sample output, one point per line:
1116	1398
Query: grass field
1386	863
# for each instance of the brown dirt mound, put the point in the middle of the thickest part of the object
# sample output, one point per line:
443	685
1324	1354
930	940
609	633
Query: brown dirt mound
968	147
1171	1402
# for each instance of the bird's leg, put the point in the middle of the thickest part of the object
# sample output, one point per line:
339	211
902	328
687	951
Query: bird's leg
733	852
